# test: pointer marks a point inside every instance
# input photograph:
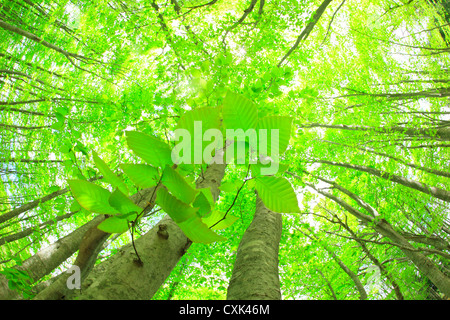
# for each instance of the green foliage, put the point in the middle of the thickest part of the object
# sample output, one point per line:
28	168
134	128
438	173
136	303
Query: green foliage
186	218
152	150
239	113
278	130
277	194
142	175
113	225
109	175
91	197
136	75
20	281
177	185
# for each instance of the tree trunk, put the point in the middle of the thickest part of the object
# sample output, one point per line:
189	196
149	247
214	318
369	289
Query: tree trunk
49	258
255	274
26	232
160	249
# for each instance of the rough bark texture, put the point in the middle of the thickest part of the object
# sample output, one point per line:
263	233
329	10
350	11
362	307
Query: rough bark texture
123	278
160	249
255	273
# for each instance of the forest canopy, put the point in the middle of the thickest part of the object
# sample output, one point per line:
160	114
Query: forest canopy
258	149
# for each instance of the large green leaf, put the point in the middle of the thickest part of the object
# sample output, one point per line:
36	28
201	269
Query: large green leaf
142	175
239	112
186	218
197	231
123	204
151	149
212	220
191	129
202	202
108	174
176	209
113	225
178	186
91	196
277	194
278	133
238	152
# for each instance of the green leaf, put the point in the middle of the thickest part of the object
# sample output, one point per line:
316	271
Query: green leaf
176	209
142	175
108	174
177	185
57	125
199	232
62	110
151	149
122	203
230	186
216	216
239	112
75	206
53	189
269	141
91	197
202	203
268	169
277	194
113	225
196	122
239	151
81	148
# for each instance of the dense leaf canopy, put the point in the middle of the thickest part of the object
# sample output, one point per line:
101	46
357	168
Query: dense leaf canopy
365	84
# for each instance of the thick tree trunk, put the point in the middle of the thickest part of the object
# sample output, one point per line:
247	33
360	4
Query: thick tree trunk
255	274
160	249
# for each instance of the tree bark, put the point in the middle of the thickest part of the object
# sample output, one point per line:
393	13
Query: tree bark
255	274
28	231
